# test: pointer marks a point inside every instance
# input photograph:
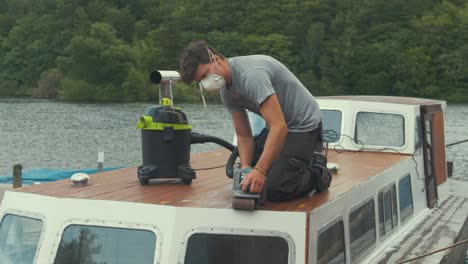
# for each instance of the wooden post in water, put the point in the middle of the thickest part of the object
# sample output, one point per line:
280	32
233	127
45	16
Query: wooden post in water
100	161
17	179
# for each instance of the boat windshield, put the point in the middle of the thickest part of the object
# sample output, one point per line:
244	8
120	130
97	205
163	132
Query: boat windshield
380	129
332	120
95	244
236	249
19	238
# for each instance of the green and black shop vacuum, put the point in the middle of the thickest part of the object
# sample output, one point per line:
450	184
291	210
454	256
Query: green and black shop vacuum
166	136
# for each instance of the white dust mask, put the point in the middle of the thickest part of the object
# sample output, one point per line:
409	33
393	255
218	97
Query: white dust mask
213	82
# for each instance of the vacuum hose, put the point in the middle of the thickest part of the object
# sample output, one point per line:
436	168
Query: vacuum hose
197	138
258	147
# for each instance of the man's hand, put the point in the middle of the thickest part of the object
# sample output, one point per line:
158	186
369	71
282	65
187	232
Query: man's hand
254	181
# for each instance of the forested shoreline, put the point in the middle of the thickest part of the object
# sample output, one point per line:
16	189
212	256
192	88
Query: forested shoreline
103	50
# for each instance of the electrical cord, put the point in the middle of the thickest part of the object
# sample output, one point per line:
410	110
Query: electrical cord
415	163
333	135
433	252
210	168
329	135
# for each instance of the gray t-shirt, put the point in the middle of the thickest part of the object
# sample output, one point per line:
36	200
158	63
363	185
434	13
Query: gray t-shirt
256	77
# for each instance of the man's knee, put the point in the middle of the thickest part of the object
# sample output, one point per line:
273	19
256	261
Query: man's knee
287	180
274	180
291	177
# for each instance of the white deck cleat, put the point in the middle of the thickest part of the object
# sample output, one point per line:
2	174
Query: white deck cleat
79	179
333	167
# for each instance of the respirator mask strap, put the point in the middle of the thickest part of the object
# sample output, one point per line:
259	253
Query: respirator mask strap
200	85
212	59
202	94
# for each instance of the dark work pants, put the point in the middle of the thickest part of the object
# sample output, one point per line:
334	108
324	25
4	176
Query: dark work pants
287	178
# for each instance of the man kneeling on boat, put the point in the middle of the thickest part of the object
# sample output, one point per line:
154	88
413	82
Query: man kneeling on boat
291	163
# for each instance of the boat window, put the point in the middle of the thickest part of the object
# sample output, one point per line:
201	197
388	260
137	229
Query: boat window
331	245
331	125
236	249
362	229
388	218
19	237
380	129
406	198
257	124
94	244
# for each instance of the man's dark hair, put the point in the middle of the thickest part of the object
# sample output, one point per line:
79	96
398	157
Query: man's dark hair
194	54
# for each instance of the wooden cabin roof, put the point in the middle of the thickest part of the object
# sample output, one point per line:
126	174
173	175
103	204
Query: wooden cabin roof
211	188
385	99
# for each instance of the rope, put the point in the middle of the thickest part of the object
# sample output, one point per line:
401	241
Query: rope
433	252
456	143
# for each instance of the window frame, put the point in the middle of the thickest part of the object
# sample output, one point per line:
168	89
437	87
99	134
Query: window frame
326	227
238	231
108	224
405	131
388	187
376	226
31	215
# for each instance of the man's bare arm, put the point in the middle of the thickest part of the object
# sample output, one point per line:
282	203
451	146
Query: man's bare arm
244	137
273	116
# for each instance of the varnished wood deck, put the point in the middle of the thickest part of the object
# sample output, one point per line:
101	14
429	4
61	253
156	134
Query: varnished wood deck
212	188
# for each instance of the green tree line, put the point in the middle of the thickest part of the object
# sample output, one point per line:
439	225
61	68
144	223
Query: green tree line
103	50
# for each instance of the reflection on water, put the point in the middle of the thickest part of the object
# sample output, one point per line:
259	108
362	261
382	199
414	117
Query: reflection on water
456	130
49	134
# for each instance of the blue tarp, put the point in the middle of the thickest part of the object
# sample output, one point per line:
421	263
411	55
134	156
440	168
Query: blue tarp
48	175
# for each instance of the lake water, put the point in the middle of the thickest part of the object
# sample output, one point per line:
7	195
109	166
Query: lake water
56	135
